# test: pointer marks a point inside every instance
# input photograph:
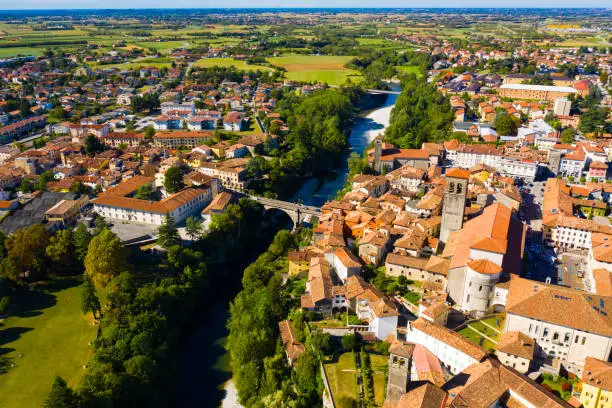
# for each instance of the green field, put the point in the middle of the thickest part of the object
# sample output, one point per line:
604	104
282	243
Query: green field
230	62
342	378
409	69
323	69
46	336
12	52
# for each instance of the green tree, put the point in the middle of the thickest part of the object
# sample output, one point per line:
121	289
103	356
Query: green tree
505	125
193	226
61	396
60	250
149	132
93	145
307	373
349	342
57	114
26	253
167	234
173	180
43	179
89	298
81	238
4	303
26	186
145	192
78	187
567	136
105	258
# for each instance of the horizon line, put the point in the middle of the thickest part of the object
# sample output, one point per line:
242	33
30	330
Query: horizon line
319	8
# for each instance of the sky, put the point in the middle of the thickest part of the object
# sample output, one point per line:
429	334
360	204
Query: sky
98	4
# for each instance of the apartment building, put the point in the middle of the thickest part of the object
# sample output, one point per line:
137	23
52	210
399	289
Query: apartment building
174	140
536	92
230	172
467	156
115	139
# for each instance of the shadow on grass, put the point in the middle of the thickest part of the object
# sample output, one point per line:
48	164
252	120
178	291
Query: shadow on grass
12	334
5	364
31	303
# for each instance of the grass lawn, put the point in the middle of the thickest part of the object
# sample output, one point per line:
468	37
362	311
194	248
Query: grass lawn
496	321
230	62
323	69
409	69
342	378
412	297
475	338
46	336
557	386
379	368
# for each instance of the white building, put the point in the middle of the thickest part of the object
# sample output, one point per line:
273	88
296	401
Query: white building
562	106
372	306
487	247
344	263
168	108
468	156
454	351
568	325
115	204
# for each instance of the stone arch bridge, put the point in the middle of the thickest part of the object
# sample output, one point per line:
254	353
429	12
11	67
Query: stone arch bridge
299	213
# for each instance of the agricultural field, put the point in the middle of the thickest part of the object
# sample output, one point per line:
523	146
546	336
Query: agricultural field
324	69
22	51
230	62
46	336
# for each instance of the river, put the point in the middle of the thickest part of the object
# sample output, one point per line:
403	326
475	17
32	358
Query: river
317	190
205	372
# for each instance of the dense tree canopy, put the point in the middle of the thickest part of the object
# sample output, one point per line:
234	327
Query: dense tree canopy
421	114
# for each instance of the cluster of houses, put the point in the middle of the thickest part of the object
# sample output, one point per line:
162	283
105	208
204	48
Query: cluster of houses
460	237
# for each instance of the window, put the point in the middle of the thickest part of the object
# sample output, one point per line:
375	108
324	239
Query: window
556	336
459	188
451	188
480	288
530	327
468	299
545	333
566	339
583	340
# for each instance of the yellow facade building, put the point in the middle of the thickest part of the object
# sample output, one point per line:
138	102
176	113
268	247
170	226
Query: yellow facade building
596	384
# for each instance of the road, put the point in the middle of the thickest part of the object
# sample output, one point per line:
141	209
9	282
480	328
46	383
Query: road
538	255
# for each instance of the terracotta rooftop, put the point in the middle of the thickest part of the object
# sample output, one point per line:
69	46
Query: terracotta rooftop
550	303
451	338
517	344
597	373
458	173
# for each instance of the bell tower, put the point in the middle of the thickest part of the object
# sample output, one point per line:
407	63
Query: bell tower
453	205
